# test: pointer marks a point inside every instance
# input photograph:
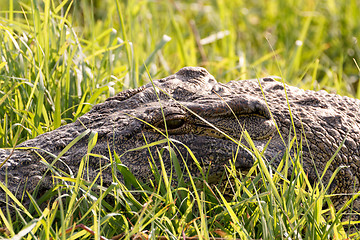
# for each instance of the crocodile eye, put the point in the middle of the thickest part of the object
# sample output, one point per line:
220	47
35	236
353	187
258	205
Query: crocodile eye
172	122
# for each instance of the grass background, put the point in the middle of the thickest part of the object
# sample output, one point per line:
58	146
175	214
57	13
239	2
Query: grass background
59	58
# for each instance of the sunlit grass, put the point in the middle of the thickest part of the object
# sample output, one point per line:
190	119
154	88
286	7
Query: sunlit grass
262	203
59	58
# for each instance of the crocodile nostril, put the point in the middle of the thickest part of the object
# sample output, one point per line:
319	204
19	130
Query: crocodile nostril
192	73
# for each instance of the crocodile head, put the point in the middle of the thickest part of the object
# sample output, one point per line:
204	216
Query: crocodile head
190	108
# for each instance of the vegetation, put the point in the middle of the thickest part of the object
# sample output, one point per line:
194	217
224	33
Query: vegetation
59	58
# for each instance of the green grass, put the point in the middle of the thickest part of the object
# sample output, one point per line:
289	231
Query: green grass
263	203
59	58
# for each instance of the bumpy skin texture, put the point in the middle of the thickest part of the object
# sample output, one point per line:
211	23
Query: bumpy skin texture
198	112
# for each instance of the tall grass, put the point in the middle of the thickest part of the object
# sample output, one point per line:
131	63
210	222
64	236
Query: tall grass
262	203
59	58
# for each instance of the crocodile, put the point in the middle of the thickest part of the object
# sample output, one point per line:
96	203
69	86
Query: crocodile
191	110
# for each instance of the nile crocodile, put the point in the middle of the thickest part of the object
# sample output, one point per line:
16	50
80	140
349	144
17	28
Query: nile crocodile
208	117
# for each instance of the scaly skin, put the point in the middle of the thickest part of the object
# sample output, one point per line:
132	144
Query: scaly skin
209	118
